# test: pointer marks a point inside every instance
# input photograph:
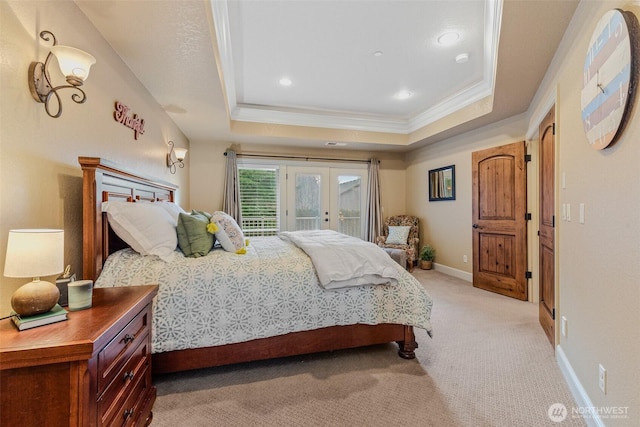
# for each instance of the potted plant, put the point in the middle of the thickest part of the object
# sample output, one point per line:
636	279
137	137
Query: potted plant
427	255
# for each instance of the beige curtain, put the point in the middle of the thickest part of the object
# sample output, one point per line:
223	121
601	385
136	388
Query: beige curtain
374	205
231	199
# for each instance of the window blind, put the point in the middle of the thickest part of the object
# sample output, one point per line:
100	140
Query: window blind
259	200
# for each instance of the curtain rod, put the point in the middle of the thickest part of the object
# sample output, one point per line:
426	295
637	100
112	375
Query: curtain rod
306	158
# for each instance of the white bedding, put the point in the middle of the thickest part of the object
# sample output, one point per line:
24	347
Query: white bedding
342	261
273	289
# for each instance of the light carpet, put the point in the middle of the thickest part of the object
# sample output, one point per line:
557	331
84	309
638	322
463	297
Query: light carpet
488	364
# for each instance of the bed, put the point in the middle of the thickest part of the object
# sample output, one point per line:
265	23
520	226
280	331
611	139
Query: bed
192	347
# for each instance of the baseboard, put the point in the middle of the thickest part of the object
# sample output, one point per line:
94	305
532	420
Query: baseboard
454	272
578	392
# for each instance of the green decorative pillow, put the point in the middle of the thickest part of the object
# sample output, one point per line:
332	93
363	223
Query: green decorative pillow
193	238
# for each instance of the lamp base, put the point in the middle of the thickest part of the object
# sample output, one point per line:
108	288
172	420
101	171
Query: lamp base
34	298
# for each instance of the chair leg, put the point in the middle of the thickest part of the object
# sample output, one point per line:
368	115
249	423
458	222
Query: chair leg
411	266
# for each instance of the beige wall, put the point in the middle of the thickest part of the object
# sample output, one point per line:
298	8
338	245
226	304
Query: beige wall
40	179
598	272
208	166
446	225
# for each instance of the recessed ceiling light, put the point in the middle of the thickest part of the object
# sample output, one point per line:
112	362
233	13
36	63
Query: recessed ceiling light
285	81
403	94
448	38
462	58
377	53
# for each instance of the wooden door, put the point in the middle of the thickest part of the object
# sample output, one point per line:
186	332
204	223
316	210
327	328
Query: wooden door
546	226
499	220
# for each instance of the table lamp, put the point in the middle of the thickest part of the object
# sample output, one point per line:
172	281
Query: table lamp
34	253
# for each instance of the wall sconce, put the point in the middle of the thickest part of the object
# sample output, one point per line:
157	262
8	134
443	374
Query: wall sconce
179	154
74	64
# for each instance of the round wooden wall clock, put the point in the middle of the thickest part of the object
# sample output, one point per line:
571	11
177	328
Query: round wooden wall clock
610	77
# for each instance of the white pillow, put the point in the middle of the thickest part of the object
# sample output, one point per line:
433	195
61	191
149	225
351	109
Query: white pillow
174	209
398	235
147	228
229	233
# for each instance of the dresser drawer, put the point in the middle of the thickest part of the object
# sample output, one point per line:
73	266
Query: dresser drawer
116	354
123	385
128	410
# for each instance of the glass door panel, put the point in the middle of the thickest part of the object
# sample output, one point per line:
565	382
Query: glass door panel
323	198
349	201
308	196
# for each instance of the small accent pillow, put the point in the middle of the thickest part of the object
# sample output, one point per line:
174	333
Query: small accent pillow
229	233
193	238
147	228
398	235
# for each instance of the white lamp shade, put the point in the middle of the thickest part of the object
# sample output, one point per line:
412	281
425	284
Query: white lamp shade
73	62
181	153
34	253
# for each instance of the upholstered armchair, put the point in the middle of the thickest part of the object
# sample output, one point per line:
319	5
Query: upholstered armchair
401	232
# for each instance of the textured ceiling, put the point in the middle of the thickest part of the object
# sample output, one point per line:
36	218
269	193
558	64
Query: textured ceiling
214	66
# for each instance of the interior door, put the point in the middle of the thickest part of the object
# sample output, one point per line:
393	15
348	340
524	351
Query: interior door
324	198
499	220
547	225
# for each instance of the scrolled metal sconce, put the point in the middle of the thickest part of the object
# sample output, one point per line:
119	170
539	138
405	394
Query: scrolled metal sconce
179	154
74	64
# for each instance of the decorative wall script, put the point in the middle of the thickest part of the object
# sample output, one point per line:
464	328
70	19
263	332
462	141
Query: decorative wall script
133	122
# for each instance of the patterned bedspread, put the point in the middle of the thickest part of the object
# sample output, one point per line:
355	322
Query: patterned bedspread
225	298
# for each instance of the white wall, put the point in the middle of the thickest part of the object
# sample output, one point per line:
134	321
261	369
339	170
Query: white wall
40	178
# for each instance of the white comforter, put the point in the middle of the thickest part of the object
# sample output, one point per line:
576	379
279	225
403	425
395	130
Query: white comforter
343	261
224	298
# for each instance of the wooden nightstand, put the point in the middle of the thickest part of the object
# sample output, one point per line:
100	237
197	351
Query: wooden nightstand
93	369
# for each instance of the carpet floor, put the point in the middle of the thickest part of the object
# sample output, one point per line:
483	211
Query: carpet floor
488	364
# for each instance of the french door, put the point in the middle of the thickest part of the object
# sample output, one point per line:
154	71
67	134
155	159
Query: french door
326	198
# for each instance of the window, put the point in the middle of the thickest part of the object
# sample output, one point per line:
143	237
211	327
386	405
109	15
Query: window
259	200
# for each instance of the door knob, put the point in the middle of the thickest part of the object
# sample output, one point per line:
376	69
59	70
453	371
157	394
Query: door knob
475	226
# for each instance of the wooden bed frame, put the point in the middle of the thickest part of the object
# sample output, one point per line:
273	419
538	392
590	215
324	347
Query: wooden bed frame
106	181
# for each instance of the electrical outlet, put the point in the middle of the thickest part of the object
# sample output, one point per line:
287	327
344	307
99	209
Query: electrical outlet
464	258
602	378
563	326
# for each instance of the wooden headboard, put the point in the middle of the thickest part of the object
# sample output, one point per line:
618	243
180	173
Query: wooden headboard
104	181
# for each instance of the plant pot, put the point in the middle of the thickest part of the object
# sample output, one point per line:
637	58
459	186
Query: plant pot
426	265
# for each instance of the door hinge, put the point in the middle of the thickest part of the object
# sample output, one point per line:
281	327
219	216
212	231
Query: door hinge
527	216
553	221
554	128
527	157
528	275
553	314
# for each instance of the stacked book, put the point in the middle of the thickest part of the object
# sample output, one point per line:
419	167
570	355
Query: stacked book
56	314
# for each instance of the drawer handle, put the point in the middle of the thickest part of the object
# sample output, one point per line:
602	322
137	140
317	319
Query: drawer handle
129	338
128	413
127	376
